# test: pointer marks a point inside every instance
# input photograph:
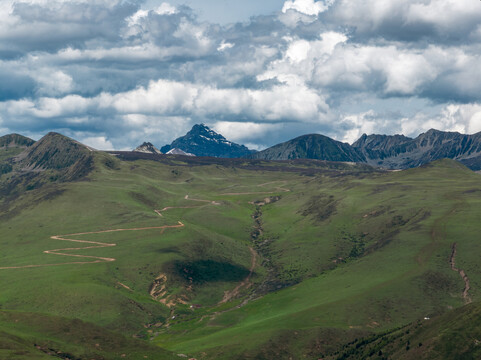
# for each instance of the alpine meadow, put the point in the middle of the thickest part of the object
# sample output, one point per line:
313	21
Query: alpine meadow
240	180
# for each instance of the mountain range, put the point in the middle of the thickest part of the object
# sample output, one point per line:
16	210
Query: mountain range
384	151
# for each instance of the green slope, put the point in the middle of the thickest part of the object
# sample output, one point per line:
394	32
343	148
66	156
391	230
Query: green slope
341	254
453	335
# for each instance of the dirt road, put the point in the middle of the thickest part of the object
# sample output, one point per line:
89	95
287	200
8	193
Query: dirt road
94	245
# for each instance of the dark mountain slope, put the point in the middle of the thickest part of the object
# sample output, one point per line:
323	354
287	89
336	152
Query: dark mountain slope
202	141
399	152
311	146
54	158
54	152
10	146
379	146
15	140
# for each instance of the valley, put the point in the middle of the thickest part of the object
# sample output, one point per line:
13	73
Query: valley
235	258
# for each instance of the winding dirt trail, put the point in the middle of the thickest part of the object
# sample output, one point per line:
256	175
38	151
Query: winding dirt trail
229	295
94	245
99	245
452	261
276	189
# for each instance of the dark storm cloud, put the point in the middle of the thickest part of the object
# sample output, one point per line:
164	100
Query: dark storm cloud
51	27
15	86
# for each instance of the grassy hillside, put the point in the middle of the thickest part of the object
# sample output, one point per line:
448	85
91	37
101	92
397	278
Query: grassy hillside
243	259
453	335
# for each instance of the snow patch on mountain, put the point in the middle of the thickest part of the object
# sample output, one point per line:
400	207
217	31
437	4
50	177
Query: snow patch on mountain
176	151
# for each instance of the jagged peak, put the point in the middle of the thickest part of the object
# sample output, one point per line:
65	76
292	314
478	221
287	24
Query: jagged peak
203	141
202	129
439	132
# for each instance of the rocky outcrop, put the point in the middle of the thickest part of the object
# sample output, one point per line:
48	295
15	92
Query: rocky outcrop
147	148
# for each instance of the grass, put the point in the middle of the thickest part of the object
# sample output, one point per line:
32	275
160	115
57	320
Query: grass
343	254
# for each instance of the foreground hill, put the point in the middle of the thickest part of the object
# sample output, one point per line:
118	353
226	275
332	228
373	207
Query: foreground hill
234	258
54	152
202	141
41	165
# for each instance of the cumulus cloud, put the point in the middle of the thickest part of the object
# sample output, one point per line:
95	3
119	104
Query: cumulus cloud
308	7
117	73
168	98
241	131
52	82
412	20
97	142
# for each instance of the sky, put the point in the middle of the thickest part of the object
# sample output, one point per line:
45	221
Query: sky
115	73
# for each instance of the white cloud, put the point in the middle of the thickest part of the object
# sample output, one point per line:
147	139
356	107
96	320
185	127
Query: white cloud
224	46
240	131
409	19
289	101
463	118
298	51
358	124
308	7
166	9
405	71
52	82
135	18
303	58
161	97
52	107
165	98
98	142
442	13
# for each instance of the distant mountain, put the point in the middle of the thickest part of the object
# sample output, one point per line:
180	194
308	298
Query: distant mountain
379	146
202	141
15	140
10	146
400	152
176	151
386	151
313	146
148	148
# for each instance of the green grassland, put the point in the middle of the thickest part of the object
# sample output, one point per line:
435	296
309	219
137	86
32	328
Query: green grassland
342	254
